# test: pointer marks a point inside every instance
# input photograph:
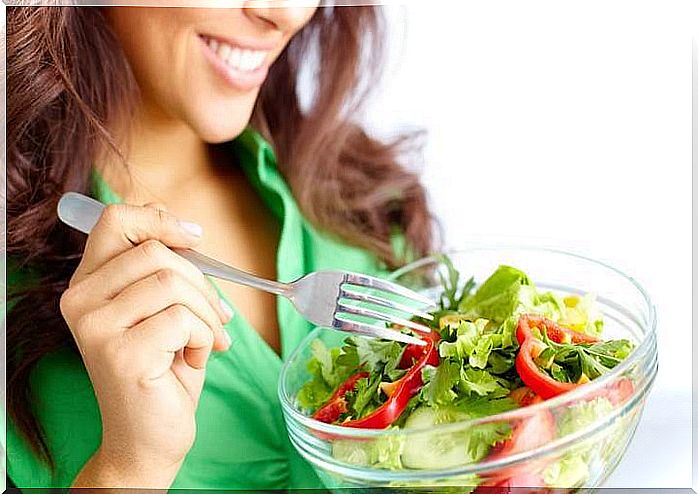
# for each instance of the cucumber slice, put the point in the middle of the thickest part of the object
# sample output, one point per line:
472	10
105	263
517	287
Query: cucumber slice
430	450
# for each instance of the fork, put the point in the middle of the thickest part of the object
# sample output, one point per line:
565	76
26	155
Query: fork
341	300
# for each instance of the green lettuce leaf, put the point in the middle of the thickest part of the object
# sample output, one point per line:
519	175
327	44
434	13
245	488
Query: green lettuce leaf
582	414
325	376
439	383
498	296
481	383
571	471
467	337
508	293
382	452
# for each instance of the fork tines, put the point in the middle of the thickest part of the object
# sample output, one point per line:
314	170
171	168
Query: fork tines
375	331
364	280
380	298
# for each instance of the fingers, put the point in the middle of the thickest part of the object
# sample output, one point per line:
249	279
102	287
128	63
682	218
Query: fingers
137	264
176	328
128	273
122	226
156	293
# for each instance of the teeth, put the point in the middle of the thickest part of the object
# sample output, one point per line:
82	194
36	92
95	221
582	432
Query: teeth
238	58
235	58
224	51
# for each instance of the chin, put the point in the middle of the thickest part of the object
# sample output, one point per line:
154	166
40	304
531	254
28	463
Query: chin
222	124
218	135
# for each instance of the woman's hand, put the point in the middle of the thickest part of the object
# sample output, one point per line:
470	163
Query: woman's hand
145	321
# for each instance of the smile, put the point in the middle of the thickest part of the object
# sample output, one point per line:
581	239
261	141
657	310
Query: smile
242	67
235	57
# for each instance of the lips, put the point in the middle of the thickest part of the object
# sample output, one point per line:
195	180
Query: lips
243	66
237	57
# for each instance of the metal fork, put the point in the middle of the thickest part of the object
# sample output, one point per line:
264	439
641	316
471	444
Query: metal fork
335	299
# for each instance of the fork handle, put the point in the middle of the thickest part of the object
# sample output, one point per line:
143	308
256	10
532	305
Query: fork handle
82	213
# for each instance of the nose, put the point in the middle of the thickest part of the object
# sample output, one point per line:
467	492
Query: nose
282	14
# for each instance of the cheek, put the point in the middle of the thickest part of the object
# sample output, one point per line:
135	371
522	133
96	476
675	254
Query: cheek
152	45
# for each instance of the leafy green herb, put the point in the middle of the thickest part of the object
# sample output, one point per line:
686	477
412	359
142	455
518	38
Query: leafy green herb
452	296
364	399
567	362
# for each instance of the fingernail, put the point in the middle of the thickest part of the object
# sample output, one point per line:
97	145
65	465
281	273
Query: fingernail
228	340
227	310
191	228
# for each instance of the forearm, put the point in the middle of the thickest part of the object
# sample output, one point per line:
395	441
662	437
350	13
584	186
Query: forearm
123	472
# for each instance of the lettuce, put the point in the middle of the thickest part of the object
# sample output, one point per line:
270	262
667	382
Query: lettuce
383	452
572	469
498	296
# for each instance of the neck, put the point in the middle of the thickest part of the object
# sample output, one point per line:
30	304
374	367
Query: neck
162	154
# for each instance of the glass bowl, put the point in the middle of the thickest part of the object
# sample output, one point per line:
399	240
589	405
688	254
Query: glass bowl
582	452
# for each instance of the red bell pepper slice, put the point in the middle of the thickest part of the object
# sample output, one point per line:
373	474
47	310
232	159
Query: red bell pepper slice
405	388
540	382
412	353
555	332
336	405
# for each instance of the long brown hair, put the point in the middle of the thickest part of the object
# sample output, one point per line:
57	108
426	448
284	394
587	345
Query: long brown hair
346	183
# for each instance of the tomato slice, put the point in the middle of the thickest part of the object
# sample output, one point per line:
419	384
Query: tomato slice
617	392
528	433
524	483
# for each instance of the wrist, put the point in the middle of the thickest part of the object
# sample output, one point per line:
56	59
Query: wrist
125	469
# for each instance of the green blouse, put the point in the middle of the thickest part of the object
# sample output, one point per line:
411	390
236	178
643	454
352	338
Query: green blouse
241	440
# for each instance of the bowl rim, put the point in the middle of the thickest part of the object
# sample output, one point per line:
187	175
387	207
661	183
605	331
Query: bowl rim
648	343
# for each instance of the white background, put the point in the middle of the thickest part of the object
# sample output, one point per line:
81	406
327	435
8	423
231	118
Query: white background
566	124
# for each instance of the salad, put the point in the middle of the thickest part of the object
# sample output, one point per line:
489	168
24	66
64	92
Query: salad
488	349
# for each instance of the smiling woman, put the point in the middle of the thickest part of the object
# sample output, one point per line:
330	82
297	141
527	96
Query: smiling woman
171	115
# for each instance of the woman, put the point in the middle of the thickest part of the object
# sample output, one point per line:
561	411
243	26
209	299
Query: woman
189	122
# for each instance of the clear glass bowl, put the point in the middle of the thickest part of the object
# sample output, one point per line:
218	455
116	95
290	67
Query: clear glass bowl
581	454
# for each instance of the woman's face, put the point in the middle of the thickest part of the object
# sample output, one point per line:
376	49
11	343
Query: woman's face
204	66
